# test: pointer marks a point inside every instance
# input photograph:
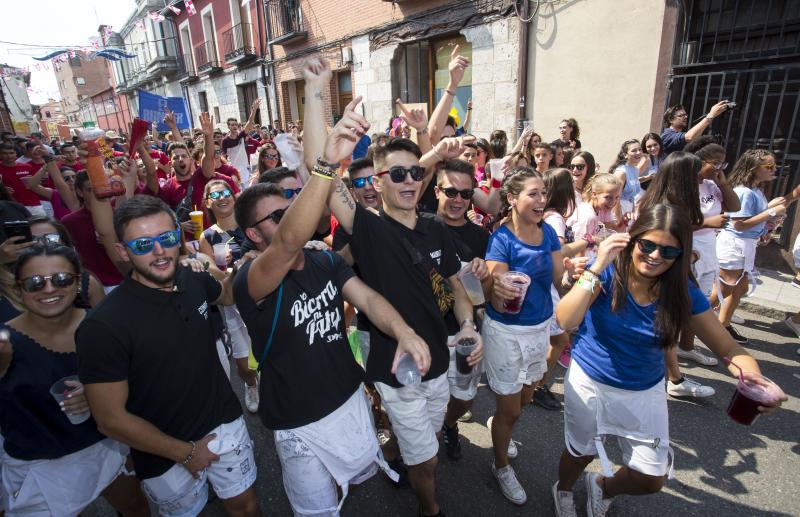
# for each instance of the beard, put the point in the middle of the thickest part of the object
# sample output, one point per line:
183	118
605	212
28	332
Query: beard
163	280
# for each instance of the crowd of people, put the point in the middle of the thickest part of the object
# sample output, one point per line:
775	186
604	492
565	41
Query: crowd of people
363	285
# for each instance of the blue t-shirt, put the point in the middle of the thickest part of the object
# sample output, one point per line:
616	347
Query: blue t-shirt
633	189
752	202
672	140
621	349
534	261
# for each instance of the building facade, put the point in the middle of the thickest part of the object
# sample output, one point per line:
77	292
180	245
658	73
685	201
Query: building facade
17	114
51	115
78	79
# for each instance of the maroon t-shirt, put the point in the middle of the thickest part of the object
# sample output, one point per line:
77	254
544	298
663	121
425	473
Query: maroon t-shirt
174	191
87	243
229	171
12	177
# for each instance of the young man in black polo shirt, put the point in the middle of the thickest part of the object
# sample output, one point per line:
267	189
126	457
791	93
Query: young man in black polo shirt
410	258
455	182
292	300
153	377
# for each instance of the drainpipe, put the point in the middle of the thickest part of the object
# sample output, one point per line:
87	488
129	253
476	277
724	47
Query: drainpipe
268	52
522	65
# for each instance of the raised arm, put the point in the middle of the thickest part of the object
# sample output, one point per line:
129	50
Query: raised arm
103	219
468	118
458	65
314	130
172	124
416	118
207	126
698	129
251	120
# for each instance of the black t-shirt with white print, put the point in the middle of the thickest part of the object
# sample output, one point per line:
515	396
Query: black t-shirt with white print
414	288
162	343
309	370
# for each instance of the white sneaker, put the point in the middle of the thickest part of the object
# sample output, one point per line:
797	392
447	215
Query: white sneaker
596	506
697	356
689	388
509	485
565	505
512	451
792	325
251	397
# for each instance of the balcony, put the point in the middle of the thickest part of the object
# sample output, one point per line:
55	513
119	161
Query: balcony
207	60
189	74
285	21
237	44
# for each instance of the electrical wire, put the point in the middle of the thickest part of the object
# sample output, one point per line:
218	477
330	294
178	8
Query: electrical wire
533	14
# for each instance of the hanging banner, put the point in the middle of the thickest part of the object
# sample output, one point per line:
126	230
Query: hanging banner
152	108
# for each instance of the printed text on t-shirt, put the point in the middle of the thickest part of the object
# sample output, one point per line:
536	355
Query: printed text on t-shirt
323	320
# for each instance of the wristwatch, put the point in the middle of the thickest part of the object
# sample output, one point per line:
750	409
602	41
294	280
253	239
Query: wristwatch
472	323
772	212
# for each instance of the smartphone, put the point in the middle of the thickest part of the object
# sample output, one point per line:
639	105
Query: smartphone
18	229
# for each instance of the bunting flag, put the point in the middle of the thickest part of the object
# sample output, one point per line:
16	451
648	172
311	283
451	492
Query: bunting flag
140	25
174	9
156	16
190	7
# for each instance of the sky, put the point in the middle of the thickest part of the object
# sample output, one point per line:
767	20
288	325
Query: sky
68	23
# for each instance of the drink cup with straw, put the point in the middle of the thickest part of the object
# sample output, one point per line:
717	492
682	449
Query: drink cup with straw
753	390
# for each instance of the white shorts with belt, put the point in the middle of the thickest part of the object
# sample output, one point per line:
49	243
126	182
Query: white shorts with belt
514	355
417	414
736	253
178	494
63	486
639	420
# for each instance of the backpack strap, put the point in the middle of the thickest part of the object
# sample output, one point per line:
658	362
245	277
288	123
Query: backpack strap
272	331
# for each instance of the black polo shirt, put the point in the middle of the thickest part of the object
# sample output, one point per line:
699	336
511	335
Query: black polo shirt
387	266
309	370
162	343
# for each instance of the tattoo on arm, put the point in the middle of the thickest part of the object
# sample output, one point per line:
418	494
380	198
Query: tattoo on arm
318	95
347	199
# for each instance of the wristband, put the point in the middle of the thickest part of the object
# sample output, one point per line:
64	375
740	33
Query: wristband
709	118
587	283
496	183
587	270
451	93
472	323
191	454
323	163
589	238
322	175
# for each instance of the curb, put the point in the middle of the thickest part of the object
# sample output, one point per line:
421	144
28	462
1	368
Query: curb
770	310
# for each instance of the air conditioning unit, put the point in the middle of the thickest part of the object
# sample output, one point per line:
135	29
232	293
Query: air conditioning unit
347	55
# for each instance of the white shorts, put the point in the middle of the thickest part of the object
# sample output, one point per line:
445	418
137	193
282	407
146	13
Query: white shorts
64	486
734	253
462	387
514	355
240	339
177	493
416	414
638	419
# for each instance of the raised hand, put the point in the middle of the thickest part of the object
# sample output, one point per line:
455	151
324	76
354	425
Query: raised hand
458	65
345	135
317	71
170	120
207	124
453	147
415	118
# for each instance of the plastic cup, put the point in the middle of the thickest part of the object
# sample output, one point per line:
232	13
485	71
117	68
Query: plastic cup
464	348
407	372
496	168
60	389
478	219
289	157
471	284
221	255
521	281
753	391
197	216
603	233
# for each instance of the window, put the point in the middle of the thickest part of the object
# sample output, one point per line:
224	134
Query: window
58	110
345	88
202	100
80	80
74	61
216	113
47	114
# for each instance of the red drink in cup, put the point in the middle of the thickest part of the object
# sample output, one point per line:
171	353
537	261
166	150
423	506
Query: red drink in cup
139	129
520	281
752	391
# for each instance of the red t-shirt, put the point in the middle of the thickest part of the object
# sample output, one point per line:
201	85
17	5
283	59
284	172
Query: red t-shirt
12	177
160	157
87	243
174	191
77	166
229	171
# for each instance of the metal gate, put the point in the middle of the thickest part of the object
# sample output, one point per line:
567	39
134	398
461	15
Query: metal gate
746	51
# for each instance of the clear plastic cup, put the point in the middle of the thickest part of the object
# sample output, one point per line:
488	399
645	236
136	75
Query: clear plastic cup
407	372
464	348
603	233
60	390
221	255
496	168
521	281
471	284
289	158
752	391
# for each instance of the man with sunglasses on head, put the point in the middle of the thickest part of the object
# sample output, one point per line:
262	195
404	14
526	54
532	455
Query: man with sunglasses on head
291	186
676	126
292	301
152	375
411	259
455	183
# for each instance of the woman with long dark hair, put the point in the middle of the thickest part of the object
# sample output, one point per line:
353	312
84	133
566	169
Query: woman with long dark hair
631	304
54	460
569	133
652	145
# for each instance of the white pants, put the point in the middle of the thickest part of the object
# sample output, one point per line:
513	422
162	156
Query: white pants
63	486
515	355
177	493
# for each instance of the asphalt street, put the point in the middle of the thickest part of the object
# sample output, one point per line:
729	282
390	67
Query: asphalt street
722	468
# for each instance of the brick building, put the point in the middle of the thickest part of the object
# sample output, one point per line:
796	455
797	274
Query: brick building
51	114
78	79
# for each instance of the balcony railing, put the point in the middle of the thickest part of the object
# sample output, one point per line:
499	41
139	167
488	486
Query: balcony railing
189	73
237	43
285	21
207	60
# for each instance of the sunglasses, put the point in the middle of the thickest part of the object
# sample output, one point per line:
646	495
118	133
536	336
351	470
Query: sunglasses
220	194
49	238
36	283
270	156
768	166
274	216
144	245
718	165
217	152
289	193
362	182
452	192
577	166
398	173
667	252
